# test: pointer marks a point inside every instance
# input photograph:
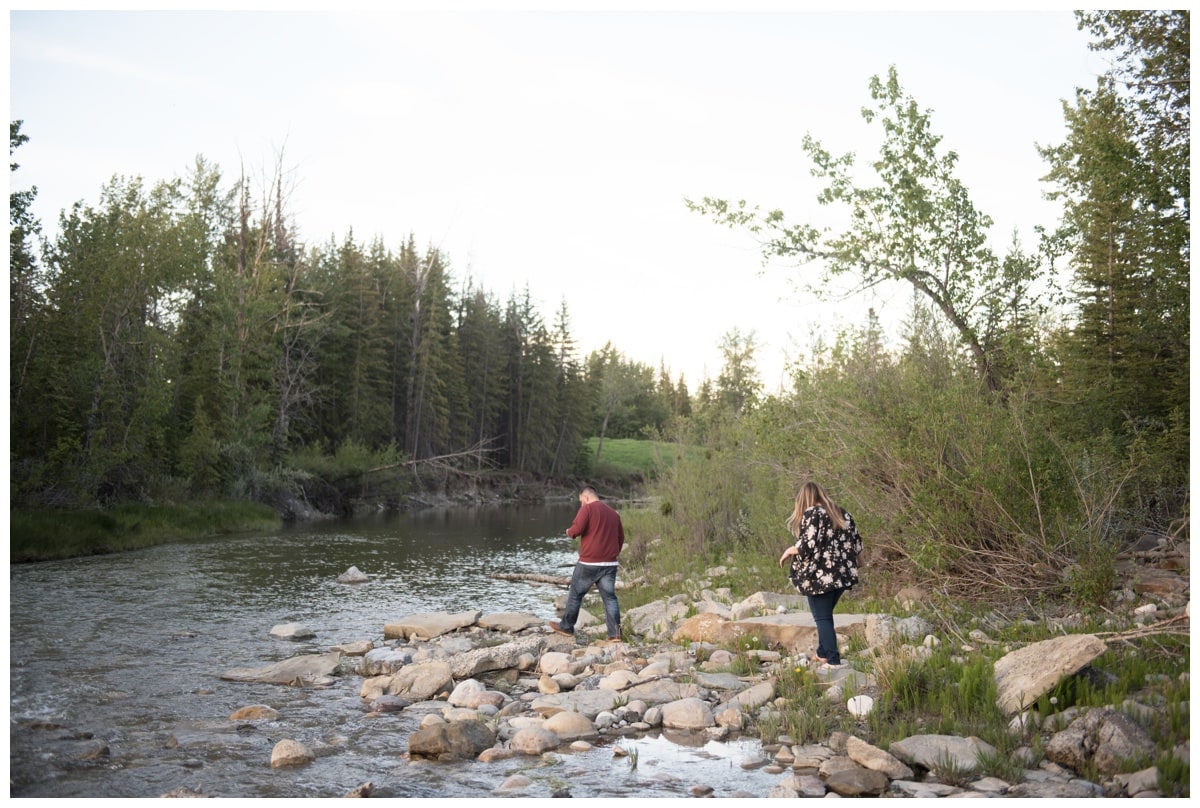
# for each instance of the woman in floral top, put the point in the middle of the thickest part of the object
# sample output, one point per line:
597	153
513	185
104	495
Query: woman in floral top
825	560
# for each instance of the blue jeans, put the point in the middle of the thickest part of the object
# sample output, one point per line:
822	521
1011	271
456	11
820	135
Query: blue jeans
821	607
604	577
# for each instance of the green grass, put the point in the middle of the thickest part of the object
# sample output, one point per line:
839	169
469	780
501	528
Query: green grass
48	535
625	457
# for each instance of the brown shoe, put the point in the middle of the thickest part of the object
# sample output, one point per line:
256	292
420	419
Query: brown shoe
559	629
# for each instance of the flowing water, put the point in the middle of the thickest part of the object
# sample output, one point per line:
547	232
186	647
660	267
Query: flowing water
115	663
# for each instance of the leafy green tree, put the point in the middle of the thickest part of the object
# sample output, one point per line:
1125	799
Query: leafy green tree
738	384
917	225
110	353
26	287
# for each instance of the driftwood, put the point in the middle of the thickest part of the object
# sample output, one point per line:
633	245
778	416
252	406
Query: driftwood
537	578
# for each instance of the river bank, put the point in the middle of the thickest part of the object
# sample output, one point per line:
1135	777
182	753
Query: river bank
501	689
46	535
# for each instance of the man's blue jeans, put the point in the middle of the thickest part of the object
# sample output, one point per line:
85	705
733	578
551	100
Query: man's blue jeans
604	577
821	607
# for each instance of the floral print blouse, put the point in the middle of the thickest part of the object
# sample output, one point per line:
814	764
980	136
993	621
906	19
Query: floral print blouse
827	558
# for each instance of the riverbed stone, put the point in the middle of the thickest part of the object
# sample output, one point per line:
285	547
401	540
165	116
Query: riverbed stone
730	717
357	648
570	726
514	782
662	691
292	631
291	753
589	703
255	712
426	626
389	704
474	694
463	740
795	631
419	681
1055	789
353	576
719	681
306	670
752	697
553	662
704	627
510	622
927	751
1025	675
762	603
494	657
688	713
857	781
1104	737
657	620
379	661
533	741
494	753
876	759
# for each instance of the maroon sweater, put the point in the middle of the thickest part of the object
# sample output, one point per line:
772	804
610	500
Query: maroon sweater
602	532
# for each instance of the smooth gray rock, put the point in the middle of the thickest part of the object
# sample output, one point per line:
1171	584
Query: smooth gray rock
1028	673
928	751
430	625
305	670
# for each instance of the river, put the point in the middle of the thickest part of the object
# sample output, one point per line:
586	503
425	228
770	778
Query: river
115	665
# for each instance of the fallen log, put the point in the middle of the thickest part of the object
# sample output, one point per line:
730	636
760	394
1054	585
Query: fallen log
537	578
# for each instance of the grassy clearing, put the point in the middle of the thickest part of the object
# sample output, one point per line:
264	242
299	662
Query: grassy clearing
630	457
48	535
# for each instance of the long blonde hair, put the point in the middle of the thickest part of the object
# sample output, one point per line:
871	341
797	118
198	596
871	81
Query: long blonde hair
809	495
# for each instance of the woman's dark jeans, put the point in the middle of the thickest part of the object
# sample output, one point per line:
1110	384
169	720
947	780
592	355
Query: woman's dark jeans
605	579
821	607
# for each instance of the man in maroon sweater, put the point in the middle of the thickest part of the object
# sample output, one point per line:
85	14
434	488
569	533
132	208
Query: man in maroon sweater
601	538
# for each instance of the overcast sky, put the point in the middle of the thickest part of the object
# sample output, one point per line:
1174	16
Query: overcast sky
552	150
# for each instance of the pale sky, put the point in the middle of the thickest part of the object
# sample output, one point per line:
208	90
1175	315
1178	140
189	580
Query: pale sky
551	149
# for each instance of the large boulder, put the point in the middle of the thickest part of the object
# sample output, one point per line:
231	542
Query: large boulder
306	670
463	740
1107	738
706	627
495	657
795	631
1028	673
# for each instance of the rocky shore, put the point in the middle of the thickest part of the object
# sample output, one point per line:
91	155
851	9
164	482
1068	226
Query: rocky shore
498	686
